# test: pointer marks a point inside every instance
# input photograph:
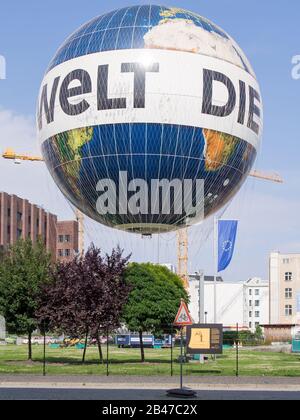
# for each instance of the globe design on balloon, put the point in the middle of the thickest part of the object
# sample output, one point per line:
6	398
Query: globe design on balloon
100	114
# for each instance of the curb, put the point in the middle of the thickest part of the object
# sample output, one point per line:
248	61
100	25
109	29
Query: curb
151	386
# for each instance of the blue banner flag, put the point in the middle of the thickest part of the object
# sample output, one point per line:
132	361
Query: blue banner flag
227	230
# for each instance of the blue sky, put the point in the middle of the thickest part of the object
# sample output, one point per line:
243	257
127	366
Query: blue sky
268	32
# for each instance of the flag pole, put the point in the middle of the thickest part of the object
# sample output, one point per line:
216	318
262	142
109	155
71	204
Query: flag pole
215	266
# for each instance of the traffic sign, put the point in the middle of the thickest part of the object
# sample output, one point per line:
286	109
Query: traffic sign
183	317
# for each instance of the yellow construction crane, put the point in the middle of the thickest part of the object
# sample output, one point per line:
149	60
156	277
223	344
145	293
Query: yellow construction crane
265	176
11	154
18	158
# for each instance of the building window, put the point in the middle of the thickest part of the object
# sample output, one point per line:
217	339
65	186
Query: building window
60	239
288	276
288	310
67	238
289	293
256	292
250	292
19	217
250	324
250	303
19	233
250	314
257	303
60	253
67	252
256	324
257	314
286	260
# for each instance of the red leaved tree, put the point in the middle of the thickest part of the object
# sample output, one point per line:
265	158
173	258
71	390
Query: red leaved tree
86	296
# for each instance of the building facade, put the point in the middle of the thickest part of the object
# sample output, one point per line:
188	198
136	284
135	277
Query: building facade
284	278
21	219
256	303
245	303
278	333
67	240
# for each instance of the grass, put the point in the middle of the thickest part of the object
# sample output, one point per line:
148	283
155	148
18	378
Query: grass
67	361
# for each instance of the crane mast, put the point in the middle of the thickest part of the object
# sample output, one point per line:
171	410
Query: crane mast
182	256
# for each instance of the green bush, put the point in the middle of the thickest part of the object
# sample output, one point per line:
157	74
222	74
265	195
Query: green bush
246	338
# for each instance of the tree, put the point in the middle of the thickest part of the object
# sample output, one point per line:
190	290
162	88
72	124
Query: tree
23	270
258	333
2	253
153	301
86	296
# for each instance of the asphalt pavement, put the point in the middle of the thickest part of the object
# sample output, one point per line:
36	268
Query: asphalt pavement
99	388
135	395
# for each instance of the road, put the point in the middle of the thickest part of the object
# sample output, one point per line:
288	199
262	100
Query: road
135	394
101	388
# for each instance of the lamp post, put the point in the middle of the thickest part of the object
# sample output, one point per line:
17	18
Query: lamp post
200	276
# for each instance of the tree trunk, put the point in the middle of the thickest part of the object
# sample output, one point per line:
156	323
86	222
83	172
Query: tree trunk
142	347
85	346
29	346
99	348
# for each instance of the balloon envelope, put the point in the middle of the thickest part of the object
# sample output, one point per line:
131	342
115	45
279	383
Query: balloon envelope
145	95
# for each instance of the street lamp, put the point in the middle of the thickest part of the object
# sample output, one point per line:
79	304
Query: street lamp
200	275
